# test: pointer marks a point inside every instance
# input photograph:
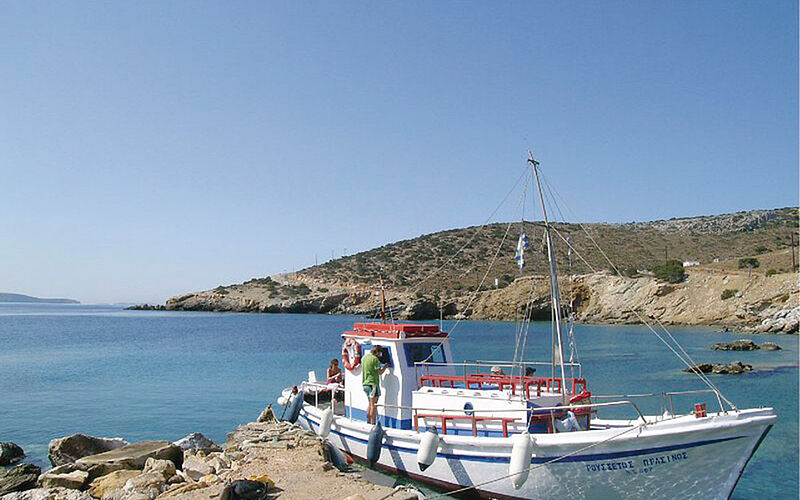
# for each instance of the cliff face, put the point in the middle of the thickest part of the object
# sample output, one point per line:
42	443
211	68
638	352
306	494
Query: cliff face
594	298
604	298
697	301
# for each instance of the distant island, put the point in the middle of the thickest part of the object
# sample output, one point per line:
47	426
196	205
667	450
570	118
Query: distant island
18	297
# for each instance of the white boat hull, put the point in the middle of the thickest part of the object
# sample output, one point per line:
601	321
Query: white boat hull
678	458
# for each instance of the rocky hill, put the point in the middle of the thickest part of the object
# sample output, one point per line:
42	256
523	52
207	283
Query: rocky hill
439	274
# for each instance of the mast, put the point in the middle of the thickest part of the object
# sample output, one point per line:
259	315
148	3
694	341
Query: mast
383	302
555	295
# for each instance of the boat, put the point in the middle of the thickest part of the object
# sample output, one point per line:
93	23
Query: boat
520	429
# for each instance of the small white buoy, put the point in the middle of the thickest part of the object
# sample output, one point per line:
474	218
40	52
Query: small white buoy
428	446
521	452
283	401
325	422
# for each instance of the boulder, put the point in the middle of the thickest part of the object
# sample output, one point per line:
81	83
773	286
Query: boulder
266	414
195	467
701	367
75	480
777	325
183	488
421	310
132	456
67	450
48	494
210	479
150	483
737	345
10	453
105	485
176	479
20	478
164	467
195	441
734	368
245	489
128	495
770	346
62	469
218	463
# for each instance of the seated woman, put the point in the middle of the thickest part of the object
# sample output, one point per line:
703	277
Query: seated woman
334	373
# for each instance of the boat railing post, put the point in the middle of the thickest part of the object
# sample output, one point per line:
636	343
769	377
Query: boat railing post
635	407
719	400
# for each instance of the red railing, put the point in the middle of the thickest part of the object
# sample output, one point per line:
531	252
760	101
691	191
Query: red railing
479	380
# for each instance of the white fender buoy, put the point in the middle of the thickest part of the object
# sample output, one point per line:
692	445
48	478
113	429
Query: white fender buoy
325	422
428	446
521	452
283	401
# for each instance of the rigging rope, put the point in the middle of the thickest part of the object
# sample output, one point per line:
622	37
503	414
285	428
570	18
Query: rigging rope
525	175
478	289
616	270
480	228
689	364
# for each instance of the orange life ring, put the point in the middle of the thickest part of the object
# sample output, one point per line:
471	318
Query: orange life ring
348	346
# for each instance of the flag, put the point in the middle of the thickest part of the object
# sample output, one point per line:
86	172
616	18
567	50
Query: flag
522	245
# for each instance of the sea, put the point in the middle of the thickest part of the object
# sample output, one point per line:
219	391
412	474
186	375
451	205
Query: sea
105	371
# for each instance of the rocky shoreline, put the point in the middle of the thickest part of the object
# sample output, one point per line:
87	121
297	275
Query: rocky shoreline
729	301
260	460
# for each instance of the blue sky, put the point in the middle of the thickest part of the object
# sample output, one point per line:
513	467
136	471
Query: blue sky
153	148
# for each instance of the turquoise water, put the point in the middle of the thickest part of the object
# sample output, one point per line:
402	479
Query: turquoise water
161	375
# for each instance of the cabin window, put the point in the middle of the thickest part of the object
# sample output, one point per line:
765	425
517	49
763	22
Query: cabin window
386	359
418	352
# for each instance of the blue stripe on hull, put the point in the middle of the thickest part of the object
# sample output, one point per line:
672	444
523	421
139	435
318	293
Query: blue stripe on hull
575	458
394	423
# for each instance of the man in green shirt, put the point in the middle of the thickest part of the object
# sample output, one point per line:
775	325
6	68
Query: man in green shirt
371	370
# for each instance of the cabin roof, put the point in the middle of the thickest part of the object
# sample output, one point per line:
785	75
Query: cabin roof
395	330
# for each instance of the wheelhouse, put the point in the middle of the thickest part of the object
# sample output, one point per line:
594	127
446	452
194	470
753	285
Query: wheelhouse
423	387
407	345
